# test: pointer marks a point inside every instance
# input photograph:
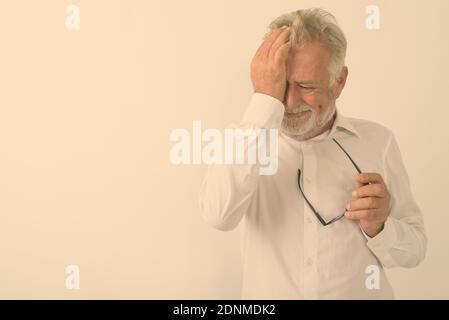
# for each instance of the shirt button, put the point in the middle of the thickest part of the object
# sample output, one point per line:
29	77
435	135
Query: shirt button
309	220
309	262
308	179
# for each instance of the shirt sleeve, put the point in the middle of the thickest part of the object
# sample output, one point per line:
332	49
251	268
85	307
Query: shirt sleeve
403	241
228	189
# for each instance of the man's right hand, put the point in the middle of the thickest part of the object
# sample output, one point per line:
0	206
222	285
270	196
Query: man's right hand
268	67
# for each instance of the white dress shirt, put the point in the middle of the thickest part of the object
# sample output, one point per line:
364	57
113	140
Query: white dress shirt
286	252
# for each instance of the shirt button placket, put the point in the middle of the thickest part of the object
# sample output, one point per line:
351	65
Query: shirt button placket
310	224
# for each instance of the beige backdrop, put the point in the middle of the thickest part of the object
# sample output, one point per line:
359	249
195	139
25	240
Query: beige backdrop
85	118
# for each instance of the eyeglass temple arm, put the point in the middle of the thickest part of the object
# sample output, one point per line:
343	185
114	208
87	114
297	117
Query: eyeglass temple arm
310	205
355	165
305	198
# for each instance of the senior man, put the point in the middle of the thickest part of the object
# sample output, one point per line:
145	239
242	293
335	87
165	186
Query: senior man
339	209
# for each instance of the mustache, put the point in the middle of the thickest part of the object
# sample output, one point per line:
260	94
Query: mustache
298	109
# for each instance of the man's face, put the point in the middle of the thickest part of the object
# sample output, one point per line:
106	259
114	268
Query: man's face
309	102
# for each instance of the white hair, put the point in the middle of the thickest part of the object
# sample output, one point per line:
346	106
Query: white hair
316	24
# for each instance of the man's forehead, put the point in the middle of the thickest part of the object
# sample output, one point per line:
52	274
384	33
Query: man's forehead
306	73
314	54
308	62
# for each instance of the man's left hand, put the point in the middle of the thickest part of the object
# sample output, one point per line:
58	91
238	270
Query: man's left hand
370	203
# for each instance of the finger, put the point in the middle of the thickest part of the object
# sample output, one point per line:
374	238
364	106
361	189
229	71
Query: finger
369	177
361	214
273	32
358	184
280	40
370	190
282	54
269	38
364	204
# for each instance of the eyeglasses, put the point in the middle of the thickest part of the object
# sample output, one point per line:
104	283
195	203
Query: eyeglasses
323	222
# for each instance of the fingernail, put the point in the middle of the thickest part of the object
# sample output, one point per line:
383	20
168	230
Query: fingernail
347	206
284	26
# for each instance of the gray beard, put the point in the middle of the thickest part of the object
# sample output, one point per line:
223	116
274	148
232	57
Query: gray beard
301	130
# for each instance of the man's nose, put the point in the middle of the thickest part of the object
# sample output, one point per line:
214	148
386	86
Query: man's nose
292	97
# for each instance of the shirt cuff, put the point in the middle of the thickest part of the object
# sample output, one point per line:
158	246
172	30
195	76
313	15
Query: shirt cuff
264	111
381	243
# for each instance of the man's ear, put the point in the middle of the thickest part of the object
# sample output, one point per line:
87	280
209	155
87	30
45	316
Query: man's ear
340	82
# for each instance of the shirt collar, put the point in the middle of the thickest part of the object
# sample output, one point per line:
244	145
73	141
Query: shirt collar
342	122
